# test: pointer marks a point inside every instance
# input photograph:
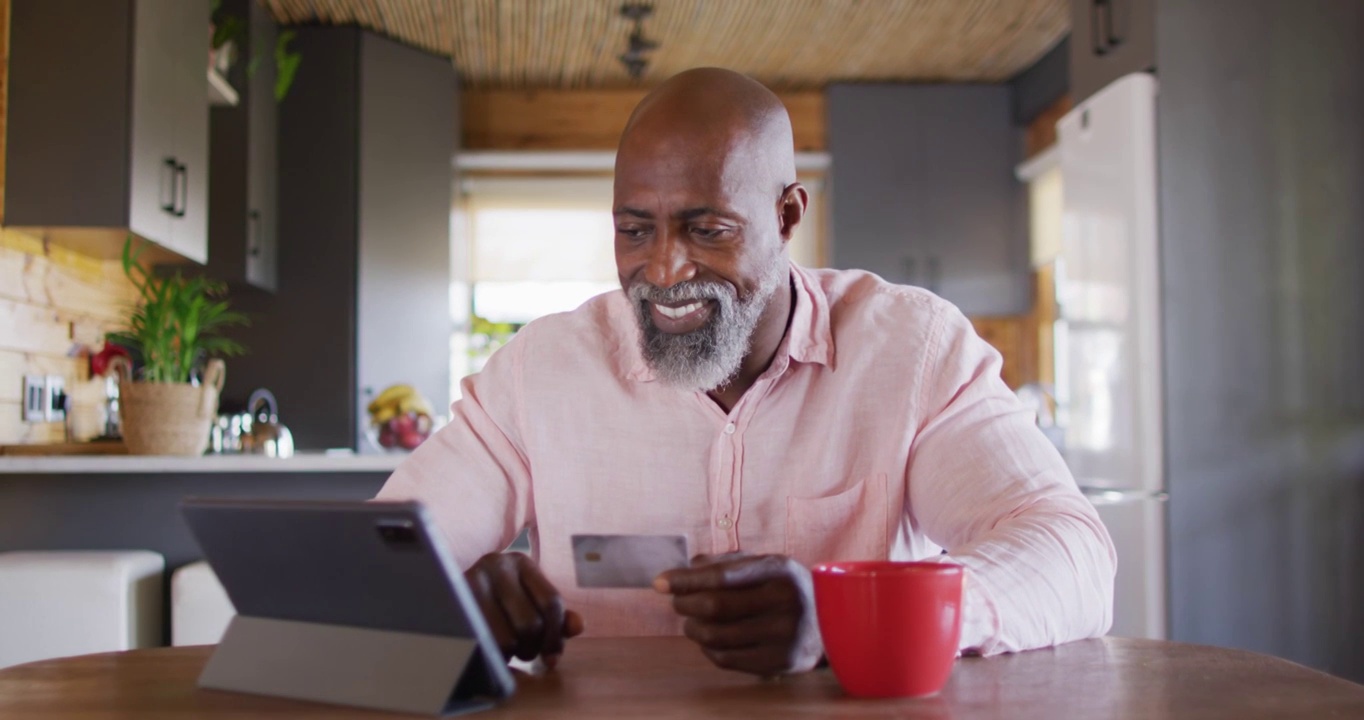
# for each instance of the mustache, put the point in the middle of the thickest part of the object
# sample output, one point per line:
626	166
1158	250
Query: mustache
681	292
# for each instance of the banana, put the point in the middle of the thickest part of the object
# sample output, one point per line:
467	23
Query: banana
415	404
391	396
384	414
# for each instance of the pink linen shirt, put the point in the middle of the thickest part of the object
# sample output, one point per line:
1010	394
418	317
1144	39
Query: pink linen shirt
881	430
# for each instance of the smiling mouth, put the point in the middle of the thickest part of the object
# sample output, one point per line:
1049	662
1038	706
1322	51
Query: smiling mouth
681	319
677	313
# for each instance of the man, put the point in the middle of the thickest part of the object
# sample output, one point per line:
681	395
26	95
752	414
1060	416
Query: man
775	416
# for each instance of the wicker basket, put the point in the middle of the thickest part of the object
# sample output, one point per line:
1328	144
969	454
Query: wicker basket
170	418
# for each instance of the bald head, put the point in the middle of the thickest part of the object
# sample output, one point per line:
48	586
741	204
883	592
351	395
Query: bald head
712	112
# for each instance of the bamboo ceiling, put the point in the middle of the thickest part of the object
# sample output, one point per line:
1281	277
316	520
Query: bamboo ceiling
785	43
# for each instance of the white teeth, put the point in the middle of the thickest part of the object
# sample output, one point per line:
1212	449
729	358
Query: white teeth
676	313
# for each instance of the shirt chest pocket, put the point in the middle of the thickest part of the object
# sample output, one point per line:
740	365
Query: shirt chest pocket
851	525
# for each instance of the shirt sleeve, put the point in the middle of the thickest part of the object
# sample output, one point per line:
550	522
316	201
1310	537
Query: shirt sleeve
472	474
987	485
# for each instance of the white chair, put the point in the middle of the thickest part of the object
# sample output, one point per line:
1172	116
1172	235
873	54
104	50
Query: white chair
200	608
58	603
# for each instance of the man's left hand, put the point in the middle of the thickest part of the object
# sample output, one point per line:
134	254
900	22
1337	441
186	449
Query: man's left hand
754	614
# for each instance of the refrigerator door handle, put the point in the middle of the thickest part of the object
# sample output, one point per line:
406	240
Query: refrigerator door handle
1120	496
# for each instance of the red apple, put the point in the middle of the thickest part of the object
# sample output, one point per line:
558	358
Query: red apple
411	440
405	423
387	437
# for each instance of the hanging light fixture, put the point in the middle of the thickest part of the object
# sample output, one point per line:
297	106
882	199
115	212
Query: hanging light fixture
635	57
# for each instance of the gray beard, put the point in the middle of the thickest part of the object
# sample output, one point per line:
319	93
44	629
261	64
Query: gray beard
709	357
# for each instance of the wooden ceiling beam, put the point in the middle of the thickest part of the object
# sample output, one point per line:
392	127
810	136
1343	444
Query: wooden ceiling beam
589	119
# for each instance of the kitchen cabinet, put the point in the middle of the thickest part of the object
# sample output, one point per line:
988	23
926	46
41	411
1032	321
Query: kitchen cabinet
1109	39
923	191
243	200
108	123
366	140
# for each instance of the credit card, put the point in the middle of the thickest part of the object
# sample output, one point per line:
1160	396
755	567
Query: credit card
626	561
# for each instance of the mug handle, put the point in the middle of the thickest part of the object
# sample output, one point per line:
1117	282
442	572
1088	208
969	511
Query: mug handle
215	374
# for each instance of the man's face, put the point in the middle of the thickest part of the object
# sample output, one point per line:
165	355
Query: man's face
699	253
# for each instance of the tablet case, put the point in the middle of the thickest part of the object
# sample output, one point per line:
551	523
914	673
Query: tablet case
350	603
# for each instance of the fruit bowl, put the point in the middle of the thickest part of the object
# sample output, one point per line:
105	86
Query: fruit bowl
399	419
401	433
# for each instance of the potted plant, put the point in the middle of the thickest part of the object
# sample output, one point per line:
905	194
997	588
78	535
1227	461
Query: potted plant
228	29
169	404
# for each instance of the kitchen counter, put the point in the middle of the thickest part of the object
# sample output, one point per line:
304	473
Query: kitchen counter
314	462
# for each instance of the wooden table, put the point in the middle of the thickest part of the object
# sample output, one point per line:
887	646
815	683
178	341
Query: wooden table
661	678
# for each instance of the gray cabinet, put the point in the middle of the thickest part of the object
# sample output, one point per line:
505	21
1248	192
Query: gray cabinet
243	202
108	122
365	146
923	191
1109	39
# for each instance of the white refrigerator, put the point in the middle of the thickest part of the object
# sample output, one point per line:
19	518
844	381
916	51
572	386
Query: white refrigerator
1108	354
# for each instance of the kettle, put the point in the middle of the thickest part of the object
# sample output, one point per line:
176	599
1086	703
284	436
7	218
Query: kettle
266	435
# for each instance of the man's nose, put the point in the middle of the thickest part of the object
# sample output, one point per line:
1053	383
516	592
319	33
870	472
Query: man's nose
668	262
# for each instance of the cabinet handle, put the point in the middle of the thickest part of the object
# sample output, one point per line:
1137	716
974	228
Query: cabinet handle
168	206
253	242
1103	27
182	175
934	275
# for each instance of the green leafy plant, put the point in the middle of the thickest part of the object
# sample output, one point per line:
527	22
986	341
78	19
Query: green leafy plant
228	27
178	321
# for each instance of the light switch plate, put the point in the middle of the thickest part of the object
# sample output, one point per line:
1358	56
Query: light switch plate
54	407
35	398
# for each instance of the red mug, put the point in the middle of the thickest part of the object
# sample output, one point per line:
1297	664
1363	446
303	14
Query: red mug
890	629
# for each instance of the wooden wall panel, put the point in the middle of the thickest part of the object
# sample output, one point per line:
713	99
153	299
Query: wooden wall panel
51	302
1025	341
1041	132
1005	334
589	119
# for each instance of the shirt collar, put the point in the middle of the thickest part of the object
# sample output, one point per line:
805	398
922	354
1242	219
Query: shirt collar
809	337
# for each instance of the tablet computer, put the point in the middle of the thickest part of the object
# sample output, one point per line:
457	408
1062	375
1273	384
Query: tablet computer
349	593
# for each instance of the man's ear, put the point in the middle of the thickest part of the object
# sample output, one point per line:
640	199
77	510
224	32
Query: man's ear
791	209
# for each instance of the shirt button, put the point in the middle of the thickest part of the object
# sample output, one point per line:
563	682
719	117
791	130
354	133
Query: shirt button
724	523
729	429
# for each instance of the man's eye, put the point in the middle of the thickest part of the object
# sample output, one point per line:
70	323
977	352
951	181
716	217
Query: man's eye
707	233
634	233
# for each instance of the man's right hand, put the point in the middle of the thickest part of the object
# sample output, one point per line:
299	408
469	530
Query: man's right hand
523	610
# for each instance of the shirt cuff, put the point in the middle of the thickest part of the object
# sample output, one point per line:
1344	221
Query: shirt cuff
979	618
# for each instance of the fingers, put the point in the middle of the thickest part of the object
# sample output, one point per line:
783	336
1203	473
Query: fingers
573	624
722	606
481	585
765	660
528	627
524	611
731	573
752	632
751	614
548	604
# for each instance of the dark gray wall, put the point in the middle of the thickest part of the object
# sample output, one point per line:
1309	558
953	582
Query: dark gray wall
923	190
302	341
407	112
1040	85
1261	127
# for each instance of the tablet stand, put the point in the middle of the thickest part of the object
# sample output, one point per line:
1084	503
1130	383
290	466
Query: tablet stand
380	669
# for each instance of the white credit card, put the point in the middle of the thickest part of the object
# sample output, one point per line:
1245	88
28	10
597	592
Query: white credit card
626	561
